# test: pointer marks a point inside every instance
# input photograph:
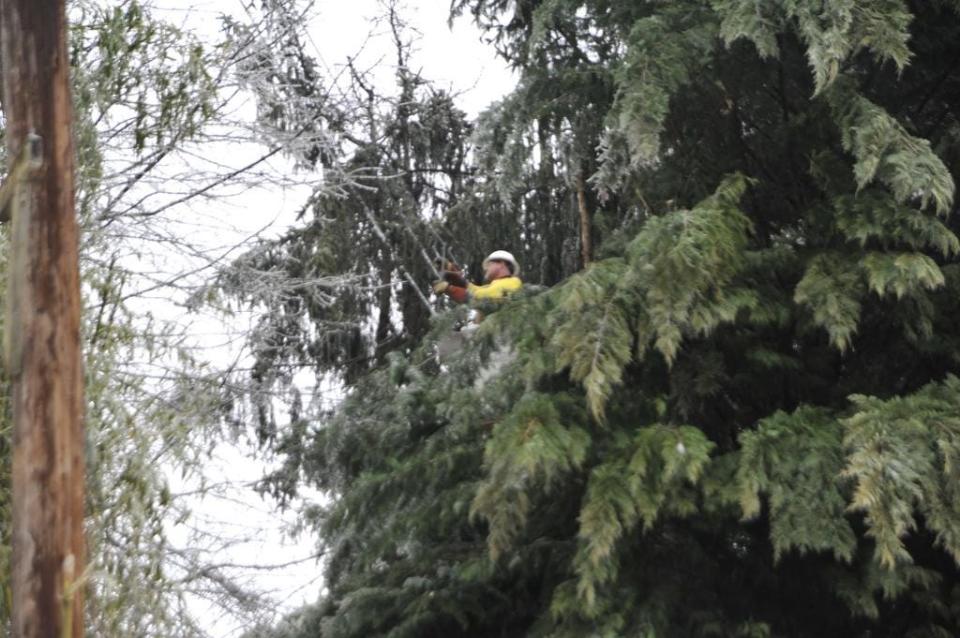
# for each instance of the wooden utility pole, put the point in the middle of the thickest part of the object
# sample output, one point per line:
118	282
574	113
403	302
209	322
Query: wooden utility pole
43	323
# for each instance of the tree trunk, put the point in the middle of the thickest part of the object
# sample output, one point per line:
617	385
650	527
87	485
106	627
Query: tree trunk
586	242
43	354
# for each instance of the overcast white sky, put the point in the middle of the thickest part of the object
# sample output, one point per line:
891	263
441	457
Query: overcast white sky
455	59
452	57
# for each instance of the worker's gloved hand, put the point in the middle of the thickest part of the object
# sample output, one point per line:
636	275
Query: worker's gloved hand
440	287
454	277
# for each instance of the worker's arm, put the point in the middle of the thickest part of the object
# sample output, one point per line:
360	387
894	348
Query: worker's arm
457	293
497	289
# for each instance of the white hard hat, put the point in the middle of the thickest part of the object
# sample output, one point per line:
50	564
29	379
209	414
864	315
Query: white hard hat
502	255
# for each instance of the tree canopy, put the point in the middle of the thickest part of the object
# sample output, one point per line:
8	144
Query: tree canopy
725	404
740	418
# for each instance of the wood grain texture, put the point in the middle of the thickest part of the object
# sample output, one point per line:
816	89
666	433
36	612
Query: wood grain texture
44	314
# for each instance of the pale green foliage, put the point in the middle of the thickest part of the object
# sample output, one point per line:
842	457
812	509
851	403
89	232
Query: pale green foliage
901	273
886	152
526	328
158	71
593	339
832	31
547	15
883	27
682	265
531	448
663	52
832	287
826	30
676	283
137	424
795	459
836	30
654	473
873	215
755	20
903	455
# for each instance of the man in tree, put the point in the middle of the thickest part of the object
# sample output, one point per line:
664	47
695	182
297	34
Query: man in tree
500	272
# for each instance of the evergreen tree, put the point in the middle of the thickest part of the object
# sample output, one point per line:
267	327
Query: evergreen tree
348	283
742	420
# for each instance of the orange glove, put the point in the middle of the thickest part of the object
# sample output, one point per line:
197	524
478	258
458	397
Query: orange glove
457	293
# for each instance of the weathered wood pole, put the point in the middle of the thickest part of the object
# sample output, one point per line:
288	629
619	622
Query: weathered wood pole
43	324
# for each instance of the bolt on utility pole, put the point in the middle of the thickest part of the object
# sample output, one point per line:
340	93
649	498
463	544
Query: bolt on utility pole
42	349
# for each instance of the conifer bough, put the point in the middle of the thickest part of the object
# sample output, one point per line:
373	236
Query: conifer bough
741	418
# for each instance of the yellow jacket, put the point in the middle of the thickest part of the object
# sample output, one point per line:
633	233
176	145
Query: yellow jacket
495	290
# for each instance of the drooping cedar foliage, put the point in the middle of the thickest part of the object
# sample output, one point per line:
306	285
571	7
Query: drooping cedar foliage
742	420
